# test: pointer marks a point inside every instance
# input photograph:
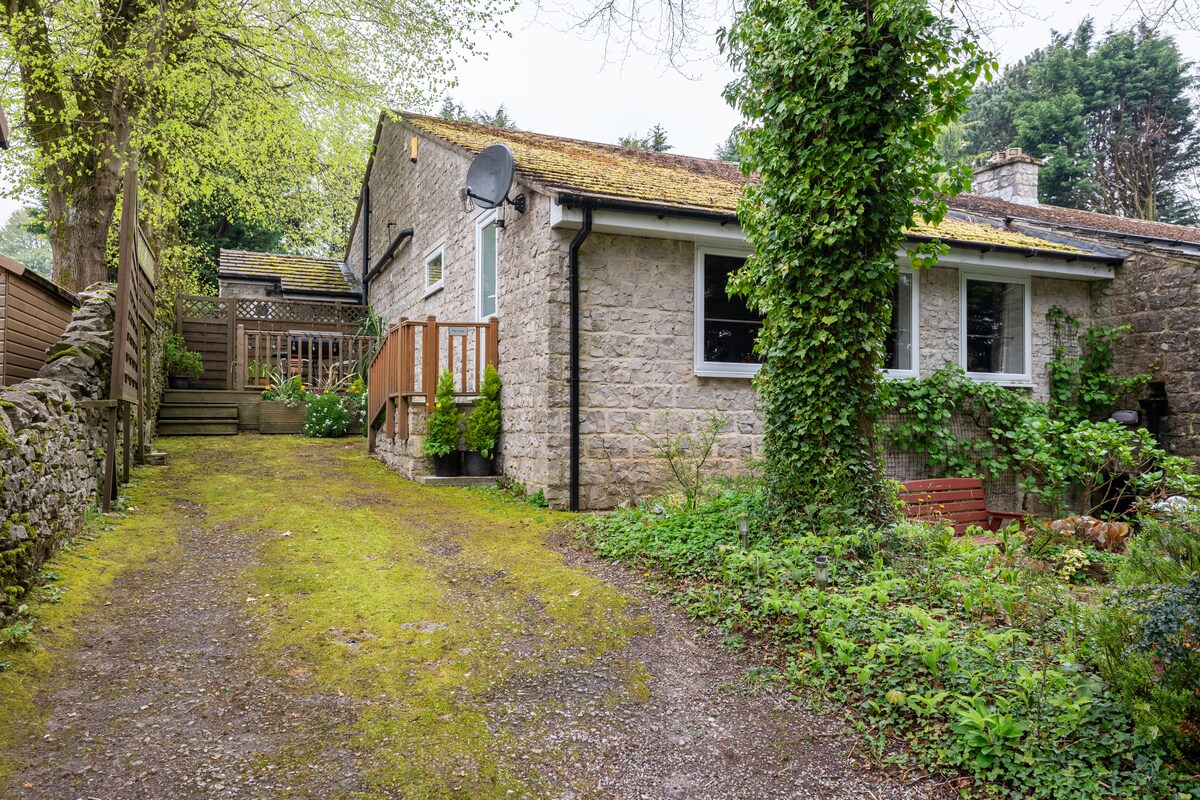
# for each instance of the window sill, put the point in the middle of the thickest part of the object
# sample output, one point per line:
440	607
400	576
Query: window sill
730	371
1015	381
430	291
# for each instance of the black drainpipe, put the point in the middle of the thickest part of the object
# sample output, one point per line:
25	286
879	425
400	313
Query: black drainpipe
366	242
573	262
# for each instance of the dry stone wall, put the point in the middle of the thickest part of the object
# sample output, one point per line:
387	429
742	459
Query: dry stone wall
52	446
1157	293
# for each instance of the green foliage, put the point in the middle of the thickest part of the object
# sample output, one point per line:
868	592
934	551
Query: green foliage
843	102
457	111
1056	459
1086	386
222	221
289	391
441	438
655	140
180	359
728	149
1145	639
973	656
1113	117
483	426
23	239
325	416
686	455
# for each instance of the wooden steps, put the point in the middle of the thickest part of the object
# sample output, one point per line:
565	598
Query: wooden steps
207	412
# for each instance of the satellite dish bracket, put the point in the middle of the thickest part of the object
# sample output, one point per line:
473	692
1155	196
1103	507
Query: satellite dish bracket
517	202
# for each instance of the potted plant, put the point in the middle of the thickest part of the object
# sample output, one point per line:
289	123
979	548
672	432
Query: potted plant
282	409
258	374
183	364
441	438
483	426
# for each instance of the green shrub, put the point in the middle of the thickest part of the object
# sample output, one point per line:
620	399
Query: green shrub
325	416
974	656
290	392
483	426
441	437
182	361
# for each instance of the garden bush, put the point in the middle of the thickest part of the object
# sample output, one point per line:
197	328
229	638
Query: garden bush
441	436
325	416
976	657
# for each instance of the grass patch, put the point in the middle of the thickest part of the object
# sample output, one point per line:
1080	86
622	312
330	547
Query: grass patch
420	605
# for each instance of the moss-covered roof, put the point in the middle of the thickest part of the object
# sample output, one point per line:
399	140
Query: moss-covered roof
555	164
294	273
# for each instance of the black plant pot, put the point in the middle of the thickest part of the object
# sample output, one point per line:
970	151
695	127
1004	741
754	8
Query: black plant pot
448	466
476	465
178	381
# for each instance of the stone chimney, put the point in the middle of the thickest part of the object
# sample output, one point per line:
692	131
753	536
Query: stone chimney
1010	175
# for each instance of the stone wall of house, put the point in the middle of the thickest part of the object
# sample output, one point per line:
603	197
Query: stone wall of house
530	269
51	446
1157	293
637	373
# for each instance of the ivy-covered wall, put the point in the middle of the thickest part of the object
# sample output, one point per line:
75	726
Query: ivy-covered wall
51	445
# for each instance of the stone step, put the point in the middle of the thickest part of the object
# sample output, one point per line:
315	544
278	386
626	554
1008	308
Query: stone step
461	480
197	411
212	427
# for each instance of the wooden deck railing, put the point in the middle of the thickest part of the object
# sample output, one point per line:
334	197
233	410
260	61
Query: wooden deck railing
408	362
316	356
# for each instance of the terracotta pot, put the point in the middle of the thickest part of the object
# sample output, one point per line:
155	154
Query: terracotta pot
476	465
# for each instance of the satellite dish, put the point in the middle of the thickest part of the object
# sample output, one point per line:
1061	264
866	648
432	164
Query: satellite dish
490	176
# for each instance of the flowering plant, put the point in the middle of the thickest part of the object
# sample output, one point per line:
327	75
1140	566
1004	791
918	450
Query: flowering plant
290	392
325	416
442	436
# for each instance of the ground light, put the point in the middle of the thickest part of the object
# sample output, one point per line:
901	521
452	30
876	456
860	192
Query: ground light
821	570
743	523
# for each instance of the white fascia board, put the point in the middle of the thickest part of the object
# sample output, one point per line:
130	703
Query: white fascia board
628	223
1017	264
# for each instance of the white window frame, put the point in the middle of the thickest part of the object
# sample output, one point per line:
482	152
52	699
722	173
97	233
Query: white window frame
915	304
713	369
440	283
1006	379
485	219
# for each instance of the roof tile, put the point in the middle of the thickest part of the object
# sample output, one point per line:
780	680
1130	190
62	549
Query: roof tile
295	272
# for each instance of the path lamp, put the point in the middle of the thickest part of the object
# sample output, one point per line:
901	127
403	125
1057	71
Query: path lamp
743	523
821	571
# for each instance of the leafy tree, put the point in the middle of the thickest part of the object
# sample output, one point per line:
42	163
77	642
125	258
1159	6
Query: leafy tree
728	149
457	111
197	86
655	140
23	239
1113	118
843	100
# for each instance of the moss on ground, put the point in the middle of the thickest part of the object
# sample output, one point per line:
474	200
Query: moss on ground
86	567
419	604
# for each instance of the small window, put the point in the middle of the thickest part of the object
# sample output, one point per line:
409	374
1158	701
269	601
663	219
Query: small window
433	270
725	327
995	328
902	346
485	265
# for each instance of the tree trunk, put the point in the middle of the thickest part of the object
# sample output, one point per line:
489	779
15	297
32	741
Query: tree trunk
79	221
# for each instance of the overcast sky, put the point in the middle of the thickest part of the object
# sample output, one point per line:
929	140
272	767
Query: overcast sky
556	79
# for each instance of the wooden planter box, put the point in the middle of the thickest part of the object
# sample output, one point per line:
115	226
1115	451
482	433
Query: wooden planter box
275	417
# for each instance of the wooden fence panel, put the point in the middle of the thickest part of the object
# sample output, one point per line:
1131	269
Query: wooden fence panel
34	312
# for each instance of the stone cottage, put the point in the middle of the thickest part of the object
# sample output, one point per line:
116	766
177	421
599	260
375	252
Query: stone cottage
1155	288
609	291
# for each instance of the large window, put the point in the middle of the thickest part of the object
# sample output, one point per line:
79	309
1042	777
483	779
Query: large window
725	328
995	328
485	265
902	346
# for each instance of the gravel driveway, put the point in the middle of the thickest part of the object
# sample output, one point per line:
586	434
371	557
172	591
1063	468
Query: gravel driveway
314	626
